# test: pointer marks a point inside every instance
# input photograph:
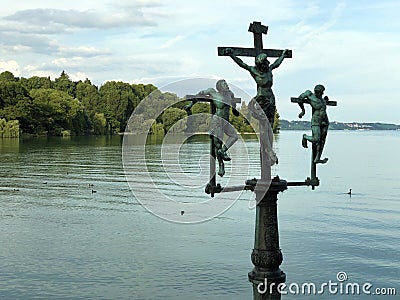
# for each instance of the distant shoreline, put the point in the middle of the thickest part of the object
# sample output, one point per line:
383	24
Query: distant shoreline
304	125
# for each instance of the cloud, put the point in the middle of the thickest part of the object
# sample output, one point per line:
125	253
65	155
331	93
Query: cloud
22	28
45	30
48	18
28	43
83	51
172	41
11	66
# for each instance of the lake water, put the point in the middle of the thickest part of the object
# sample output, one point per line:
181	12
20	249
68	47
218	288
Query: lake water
62	238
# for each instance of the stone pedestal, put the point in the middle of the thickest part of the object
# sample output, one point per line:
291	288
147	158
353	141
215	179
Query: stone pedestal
267	256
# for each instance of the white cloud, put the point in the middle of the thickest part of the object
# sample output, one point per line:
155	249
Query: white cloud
60	61
172	41
82	51
78	76
27	43
49	17
11	66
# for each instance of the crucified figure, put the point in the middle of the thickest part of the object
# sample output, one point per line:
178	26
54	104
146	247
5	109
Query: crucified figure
262	105
223	100
319	120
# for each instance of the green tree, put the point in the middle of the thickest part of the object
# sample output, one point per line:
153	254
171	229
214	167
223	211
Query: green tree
247	123
155	104
170	119
241	124
11	92
55	111
88	94
156	128
152	106
200	119
275	126
247	119
137	124
22	112
142	91
117	102
36	82
99	124
7	76
15	103
63	83
43	106
9	129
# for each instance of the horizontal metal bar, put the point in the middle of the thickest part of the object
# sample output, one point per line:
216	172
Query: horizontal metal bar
233	188
297	100
252	52
298	183
204	98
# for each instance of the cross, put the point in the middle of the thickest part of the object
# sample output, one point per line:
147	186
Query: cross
258	30
314	179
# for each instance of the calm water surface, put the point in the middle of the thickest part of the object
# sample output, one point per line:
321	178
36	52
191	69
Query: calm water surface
60	240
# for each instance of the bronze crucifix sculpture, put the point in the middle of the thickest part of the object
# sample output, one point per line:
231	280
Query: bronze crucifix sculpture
262	106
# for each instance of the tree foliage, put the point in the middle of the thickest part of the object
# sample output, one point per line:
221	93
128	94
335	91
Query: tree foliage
55	111
43	106
62	106
9	129
173	119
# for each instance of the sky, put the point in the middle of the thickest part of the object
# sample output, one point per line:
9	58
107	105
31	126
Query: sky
352	47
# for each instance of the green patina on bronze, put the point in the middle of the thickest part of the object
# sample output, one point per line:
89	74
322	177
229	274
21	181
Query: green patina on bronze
319	124
262	106
221	101
261	72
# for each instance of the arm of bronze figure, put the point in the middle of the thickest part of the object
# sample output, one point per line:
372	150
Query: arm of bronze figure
237	60
209	91
303	111
303	98
188	107
278	62
233	105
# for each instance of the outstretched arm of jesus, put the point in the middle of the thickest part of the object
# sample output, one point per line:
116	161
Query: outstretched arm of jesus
278	62
237	60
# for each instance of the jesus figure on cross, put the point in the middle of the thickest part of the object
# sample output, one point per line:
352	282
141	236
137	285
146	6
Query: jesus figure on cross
262	105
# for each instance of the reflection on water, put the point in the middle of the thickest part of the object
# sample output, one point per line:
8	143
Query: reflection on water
71	228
